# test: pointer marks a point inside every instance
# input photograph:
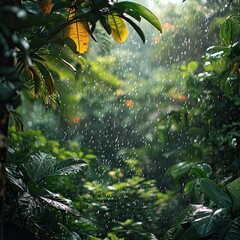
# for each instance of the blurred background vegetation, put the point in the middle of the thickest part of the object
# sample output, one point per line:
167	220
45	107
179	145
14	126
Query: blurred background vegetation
157	124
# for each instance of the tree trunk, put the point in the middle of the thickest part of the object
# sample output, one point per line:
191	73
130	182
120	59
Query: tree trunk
7	61
4	118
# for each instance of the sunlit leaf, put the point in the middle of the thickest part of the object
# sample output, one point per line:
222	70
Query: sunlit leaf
119	28
78	33
48	78
55	63
37	78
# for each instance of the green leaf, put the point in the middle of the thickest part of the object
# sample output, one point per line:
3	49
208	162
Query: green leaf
182	226
37	78
31	20
180	170
14	176
58	202
55	63
70	236
48	78
215	193
141	10
230	29
201	170
233	189
233	231
206	221
136	28
192	66
40	165
69	166
30	206
105	24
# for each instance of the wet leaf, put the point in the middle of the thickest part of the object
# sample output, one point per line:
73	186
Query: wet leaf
69	166
78	33
201	170
136	28
141	10
58	202
119	28
37	78
48	78
230	29
215	193
180	170
40	165
233	188
206	221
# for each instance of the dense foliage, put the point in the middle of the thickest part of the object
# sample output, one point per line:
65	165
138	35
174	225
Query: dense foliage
144	139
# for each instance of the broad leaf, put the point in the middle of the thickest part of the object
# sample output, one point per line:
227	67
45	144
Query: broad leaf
230	29
30	206
14	176
207	221
233	189
141	10
40	165
69	166
78	33
182	225
180	170
233	231
119	28
201	170
215	193
58	202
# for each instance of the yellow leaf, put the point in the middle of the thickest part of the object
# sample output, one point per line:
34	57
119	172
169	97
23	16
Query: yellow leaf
119	28
78	33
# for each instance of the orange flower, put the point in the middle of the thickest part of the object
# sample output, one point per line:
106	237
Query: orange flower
156	39
128	103
168	26
74	119
112	173
179	97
